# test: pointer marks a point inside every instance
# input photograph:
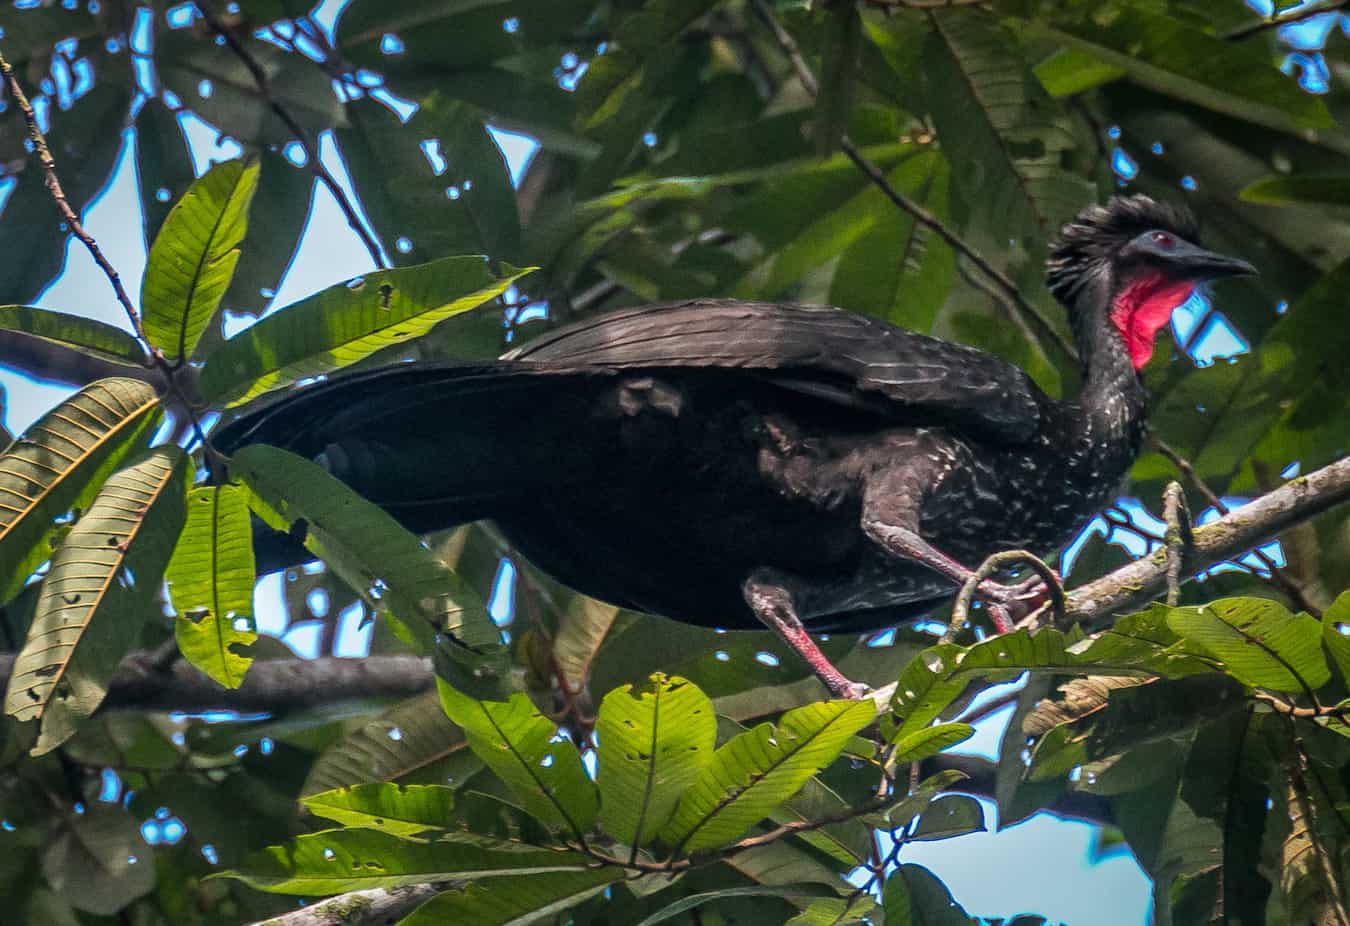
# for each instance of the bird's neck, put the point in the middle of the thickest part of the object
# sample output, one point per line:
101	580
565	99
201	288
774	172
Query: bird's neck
1113	398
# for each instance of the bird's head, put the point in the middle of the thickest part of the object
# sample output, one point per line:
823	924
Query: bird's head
1129	264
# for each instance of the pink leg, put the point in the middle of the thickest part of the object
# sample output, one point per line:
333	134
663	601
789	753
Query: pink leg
772	604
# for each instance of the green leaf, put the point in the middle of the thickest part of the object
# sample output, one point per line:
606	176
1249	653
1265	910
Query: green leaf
192	260
1164	53
281	207
513	901
1069	72
949	816
698	900
919	799
655	740
387	807
87	139
1336	634
164	168
835	911
59	463
347	322
758	770
1299	189
914	897
1002	133
335	861
373	554
1259	641
900	271
98	860
930	741
523	748
98	339
582	628
211	578
97	595
841	38
412	741
465	205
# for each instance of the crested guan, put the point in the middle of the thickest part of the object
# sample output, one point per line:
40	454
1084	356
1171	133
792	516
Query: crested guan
734	464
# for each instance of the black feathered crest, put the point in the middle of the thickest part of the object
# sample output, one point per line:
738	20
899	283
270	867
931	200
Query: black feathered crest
1098	231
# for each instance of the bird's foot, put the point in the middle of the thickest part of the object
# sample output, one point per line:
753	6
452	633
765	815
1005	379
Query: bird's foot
1012	606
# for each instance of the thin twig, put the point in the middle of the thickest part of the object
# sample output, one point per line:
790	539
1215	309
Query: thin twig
311	149
1278	577
62	204
1293	16
1004	284
961	607
1177	516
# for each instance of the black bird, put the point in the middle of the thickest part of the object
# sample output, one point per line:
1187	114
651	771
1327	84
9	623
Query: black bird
738	464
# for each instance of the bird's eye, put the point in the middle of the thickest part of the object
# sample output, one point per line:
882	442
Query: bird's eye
1164	240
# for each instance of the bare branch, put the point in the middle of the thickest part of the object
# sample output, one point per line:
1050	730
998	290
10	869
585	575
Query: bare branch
1006	288
377	907
280	686
53	183
312	161
1298	15
1137	583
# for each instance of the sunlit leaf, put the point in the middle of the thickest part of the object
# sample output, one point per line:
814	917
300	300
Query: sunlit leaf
97	596
211	583
192	260
76	332
1259	641
655	739
931	740
333	861
756	771
389	808
542	768
346	322
1336	634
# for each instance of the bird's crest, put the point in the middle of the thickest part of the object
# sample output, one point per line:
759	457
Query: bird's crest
1097	232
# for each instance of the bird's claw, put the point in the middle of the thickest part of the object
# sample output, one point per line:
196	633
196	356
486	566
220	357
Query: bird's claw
1009	605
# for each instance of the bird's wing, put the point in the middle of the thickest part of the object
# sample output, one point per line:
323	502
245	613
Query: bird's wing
834	355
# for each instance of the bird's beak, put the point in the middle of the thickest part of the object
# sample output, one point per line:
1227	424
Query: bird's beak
1205	265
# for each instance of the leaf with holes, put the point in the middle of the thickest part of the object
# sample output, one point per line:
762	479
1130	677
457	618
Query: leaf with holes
413	741
513	901
655	739
95	338
97	596
334	861
211	579
1259	641
387	807
542	768
192	260
375	555
756	771
347	322
58	464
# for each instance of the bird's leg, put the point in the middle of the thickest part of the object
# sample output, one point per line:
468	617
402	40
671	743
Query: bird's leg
771	602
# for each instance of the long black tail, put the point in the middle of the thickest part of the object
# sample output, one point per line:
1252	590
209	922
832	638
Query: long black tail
435	445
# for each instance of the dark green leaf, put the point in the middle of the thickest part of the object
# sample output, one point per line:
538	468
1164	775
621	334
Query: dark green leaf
513	901
75	332
98	861
164	168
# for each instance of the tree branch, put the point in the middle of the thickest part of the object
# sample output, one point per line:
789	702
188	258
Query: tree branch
377	907
312	161
63	206
1293	16
1139	582
276	686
